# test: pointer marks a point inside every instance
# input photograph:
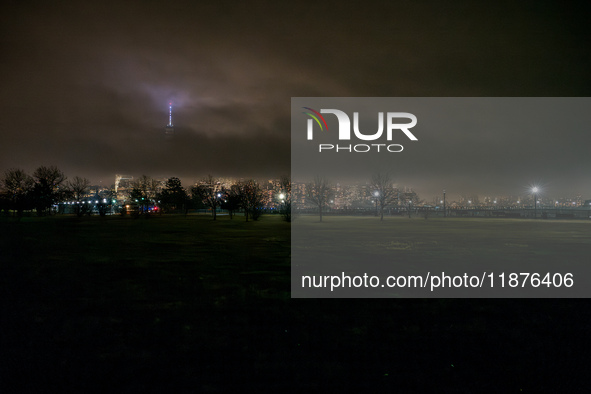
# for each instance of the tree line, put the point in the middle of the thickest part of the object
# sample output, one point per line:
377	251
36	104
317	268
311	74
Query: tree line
381	190
48	187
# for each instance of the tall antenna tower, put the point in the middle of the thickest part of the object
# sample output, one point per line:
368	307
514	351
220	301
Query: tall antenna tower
169	129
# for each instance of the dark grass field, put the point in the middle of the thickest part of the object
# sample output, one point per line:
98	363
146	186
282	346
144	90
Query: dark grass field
185	304
403	246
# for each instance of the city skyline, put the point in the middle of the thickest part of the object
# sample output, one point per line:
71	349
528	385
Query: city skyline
363	191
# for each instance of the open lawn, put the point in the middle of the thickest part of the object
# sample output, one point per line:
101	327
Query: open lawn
186	304
403	246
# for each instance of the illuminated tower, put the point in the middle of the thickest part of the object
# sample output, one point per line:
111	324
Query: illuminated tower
169	129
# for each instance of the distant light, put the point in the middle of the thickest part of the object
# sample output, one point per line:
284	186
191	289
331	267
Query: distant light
376	193
282	196
219	195
535	189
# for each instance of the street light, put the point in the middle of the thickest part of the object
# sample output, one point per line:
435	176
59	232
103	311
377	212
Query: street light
376	194
444	210
535	191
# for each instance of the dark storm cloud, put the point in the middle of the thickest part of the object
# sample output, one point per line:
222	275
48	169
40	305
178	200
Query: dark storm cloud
86	86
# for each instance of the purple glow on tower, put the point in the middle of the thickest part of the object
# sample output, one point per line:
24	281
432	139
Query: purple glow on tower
169	129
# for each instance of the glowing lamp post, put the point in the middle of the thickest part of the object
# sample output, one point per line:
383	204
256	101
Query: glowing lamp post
444	210
282	199
535	192
376	194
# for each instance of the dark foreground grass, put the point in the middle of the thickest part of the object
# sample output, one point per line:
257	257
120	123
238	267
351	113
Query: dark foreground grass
175	304
399	246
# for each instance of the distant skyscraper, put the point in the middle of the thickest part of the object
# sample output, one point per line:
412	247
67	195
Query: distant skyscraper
169	129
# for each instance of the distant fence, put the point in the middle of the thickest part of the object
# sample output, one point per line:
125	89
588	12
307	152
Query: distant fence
514	213
428	212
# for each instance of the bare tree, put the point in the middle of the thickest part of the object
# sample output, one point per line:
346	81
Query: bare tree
231	199
319	193
252	198
48	188
284	191
18	187
382	191
78	189
144	190
105	201
209	192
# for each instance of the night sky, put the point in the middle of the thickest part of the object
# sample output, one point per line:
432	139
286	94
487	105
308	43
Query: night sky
86	86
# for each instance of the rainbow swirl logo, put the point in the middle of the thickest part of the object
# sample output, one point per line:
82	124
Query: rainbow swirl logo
315	116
